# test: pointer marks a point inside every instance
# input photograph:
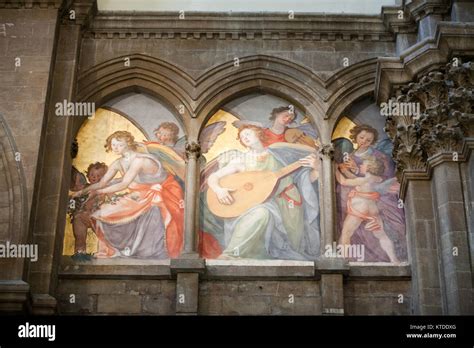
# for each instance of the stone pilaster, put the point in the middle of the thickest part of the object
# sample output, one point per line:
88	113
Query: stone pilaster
332	271
187	273
193	152
328	196
433	142
423	246
55	163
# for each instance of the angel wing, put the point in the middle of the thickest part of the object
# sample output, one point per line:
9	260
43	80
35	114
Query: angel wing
341	147
180	146
209	135
385	146
170	159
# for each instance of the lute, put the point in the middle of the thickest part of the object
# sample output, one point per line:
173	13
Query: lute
251	188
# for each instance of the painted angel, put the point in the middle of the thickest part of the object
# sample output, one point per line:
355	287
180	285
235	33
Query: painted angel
286	225
147	220
372	218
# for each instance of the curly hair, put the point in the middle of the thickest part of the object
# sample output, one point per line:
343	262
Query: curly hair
375	166
96	166
281	109
258	131
171	126
363	127
122	136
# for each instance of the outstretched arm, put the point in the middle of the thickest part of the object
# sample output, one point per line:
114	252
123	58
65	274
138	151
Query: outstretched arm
127	179
109	175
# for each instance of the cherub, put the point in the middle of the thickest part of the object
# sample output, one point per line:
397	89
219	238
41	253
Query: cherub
362	204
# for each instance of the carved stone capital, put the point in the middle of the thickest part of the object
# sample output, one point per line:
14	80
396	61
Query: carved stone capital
445	100
327	150
193	150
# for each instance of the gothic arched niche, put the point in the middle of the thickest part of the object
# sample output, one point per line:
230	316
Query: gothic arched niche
12	201
370	215
127	183
259	182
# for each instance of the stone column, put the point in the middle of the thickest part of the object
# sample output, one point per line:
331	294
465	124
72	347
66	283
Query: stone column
423	248
453	235
49	211
327	196
432	142
193	152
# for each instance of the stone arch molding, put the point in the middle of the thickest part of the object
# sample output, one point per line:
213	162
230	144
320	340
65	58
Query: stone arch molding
11	183
320	98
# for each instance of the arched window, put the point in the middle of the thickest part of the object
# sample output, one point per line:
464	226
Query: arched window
370	215
259	182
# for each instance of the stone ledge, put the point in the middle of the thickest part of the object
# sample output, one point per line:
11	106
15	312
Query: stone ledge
332	266
381	271
256	269
115	269
30	4
228	269
222	26
187	265
43	304
13	295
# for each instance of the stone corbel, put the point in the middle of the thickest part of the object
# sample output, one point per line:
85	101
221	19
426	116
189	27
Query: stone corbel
422	8
393	22
78	12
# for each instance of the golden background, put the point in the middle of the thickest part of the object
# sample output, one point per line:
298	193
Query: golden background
91	139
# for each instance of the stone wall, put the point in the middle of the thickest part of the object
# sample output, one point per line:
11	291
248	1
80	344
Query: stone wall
245	297
27	35
115	296
377	297
27	39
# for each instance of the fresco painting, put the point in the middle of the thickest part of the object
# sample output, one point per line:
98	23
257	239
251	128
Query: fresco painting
259	183
127	189
369	211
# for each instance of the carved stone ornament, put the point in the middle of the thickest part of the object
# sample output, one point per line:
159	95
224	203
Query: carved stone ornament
193	150
327	150
446	100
